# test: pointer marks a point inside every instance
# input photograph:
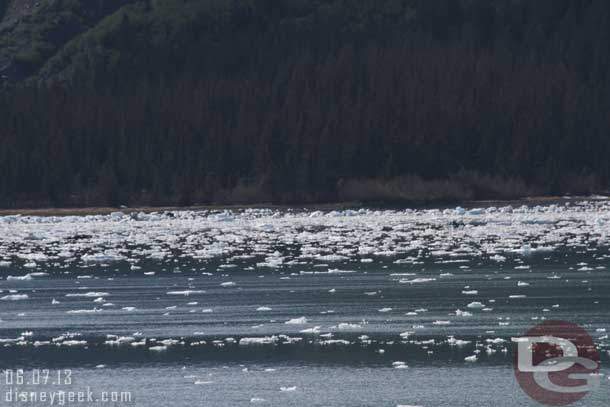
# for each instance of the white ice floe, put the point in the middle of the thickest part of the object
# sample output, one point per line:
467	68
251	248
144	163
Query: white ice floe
103	257
84	311
314	330
26	277
186	293
476	305
297	321
267	340
457	342
14	297
91	294
416	280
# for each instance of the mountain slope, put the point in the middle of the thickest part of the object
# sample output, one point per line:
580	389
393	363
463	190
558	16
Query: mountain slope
31	31
182	101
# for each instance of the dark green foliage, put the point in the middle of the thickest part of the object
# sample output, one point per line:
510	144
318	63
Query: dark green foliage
3	6
198	101
43	27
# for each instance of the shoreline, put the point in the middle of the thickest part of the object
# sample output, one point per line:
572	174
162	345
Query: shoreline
104	210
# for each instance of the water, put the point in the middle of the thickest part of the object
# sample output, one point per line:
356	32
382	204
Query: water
209	327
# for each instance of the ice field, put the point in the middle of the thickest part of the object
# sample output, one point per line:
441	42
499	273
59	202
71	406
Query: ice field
300	307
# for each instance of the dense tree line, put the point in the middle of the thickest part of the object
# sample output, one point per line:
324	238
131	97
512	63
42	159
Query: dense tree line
181	102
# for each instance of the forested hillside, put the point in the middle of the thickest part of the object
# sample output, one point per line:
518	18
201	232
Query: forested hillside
296	101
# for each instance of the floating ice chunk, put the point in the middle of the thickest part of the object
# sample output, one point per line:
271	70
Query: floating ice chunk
383	310
117	216
27	277
313	330
528	250
330	342
266	340
228	284
399	365
457	342
266	227
84	311
285	389
225	216
471	359
15	297
91	294
73	343
417	281
476	305
263	309
102	257
344	326
169	342
296	321
331	258
118	341
186	293
476	211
